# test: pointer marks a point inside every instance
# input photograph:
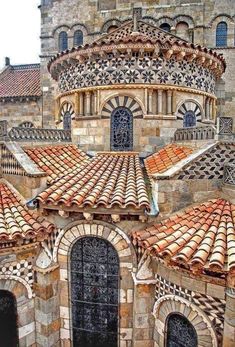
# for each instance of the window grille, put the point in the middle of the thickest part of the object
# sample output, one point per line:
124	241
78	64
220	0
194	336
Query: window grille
180	332
121	129
166	27
221	34
78	38
94	293
189	119
63	41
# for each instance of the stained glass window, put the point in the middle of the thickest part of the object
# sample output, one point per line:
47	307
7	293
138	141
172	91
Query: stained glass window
180	332
121	129
67	121
63	41
221	34
165	26
78	38
8	319
189	119
94	293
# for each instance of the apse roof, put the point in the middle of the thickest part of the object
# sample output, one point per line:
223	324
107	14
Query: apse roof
200	238
109	180
20	81
17	222
56	160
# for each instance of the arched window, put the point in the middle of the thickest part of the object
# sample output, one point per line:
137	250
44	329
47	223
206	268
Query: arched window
78	38
180	332
63	41
121	129
182	30
190	119
165	26
8	319
221	34
112	28
94	293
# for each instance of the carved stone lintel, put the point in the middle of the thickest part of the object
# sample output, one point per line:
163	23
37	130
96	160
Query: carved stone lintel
115	218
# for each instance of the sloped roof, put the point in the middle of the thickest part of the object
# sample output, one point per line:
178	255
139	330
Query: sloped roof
166	157
200	238
20	81
58	160
109	180
16	221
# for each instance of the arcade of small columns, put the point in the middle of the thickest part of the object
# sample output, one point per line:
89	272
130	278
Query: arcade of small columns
158	101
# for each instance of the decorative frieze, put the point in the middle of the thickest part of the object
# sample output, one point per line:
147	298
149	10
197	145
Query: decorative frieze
195	133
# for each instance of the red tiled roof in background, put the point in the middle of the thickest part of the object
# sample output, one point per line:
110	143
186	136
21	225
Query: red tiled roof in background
199	238
16	221
109	180
57	161
20	81
166	158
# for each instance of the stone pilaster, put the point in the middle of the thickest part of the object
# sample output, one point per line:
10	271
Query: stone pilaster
47	312
159	102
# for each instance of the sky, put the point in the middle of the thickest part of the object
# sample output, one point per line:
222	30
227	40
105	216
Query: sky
19	31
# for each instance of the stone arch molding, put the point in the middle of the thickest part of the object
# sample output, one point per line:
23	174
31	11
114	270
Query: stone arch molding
7	282
190	105
120	241
174	304
67	107
135	106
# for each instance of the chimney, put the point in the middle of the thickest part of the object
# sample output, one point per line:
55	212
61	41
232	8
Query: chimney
7	61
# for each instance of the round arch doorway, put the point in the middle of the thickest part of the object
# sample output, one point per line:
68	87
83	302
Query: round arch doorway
121	138
94	293
8	319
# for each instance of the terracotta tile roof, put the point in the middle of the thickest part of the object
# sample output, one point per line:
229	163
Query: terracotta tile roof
57	161
109	180
166	158
16	221
200	238
20	81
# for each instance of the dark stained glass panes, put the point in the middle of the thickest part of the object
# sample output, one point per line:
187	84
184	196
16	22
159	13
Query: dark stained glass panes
8	320
94	293
221	34
63	41
165	26
121	129
189	119
67	121
78	38
180	332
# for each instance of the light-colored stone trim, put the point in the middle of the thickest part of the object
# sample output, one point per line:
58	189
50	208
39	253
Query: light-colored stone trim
172	304
17	279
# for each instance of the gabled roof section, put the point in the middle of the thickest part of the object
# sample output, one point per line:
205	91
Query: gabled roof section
57	160
167	157
201	238
109	180
16	221
20	81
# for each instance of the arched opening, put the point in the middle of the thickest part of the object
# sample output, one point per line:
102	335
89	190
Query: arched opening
189	120
67	121
221	34
94	293
180	332
166	27
121	129
182	30
8	319
78	38
112	28
63	41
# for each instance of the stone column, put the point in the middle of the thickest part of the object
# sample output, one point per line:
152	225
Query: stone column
169	102
146	99
229	319
207	113
173	101
76	104
57	110
150	102
88	103
159	102
211	109
47	311
95	102
81	100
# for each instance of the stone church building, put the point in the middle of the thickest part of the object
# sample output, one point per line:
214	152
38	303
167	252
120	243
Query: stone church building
117	187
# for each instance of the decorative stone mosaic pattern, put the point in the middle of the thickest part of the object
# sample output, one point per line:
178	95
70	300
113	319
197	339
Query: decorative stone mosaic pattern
210	165
213	307
135	69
